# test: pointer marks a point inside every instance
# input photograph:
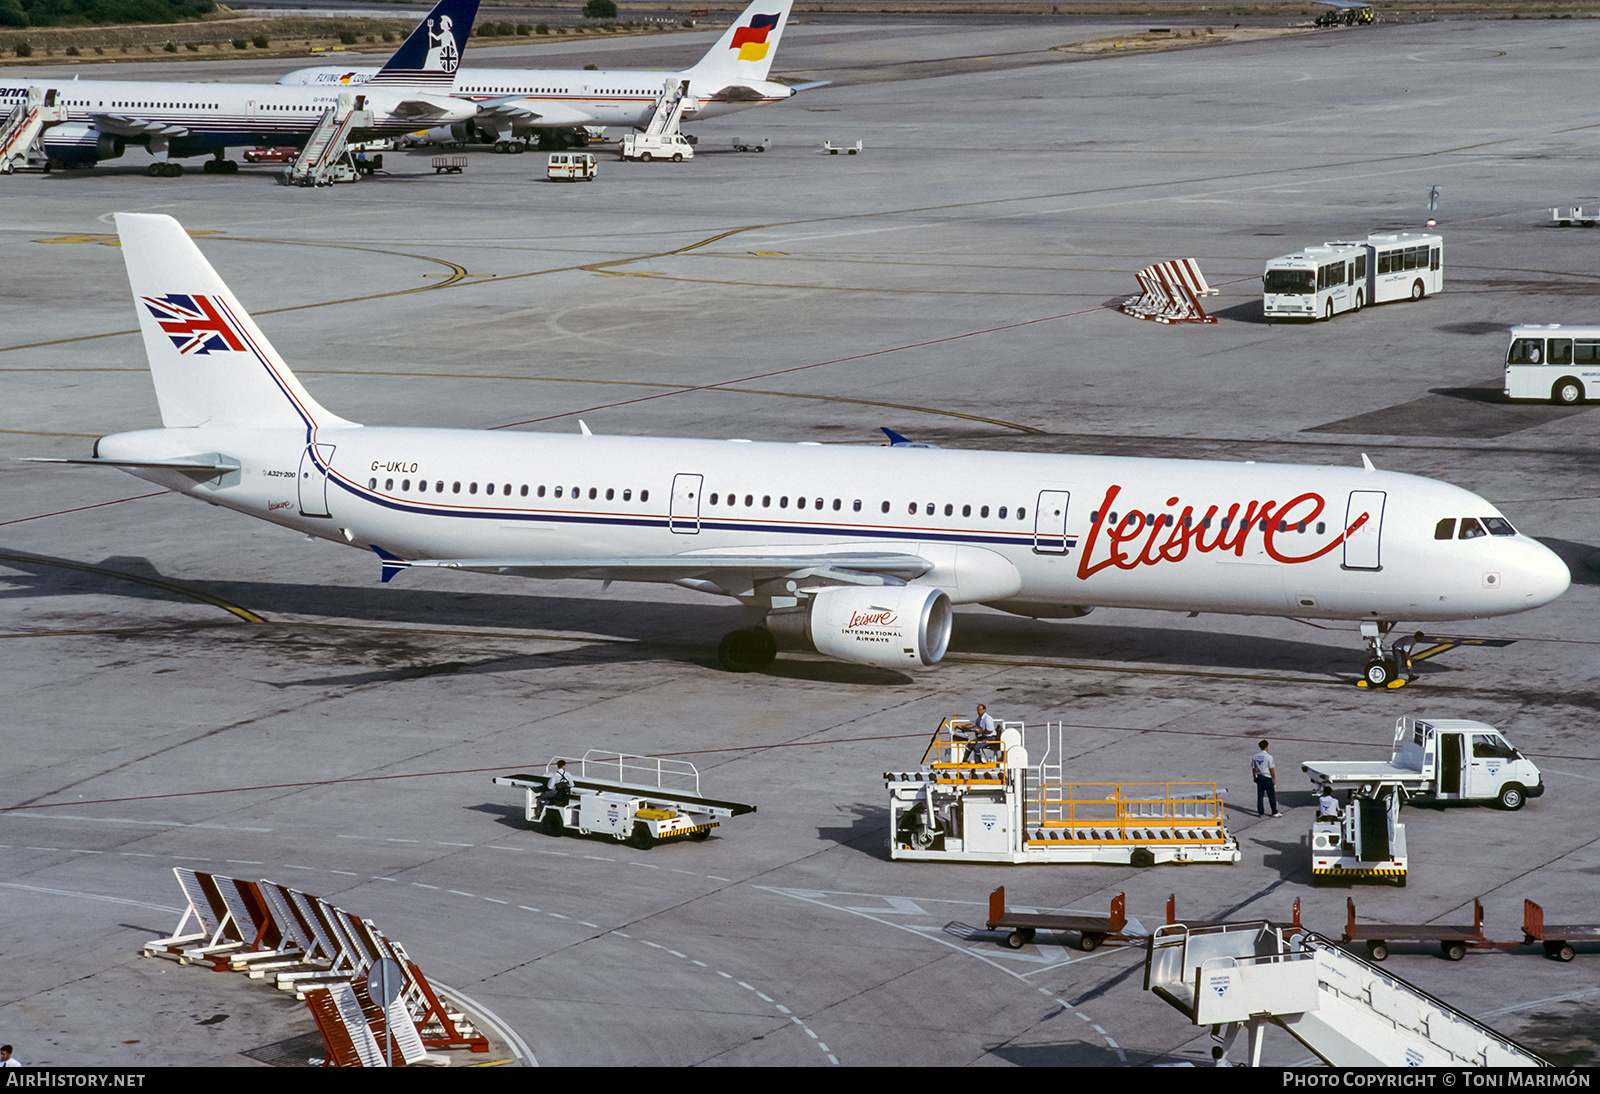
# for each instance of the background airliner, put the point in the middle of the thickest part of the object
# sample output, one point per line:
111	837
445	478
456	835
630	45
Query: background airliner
731	76
859	552
175	120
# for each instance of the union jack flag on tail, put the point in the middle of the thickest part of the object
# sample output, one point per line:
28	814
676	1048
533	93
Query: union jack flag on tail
196	324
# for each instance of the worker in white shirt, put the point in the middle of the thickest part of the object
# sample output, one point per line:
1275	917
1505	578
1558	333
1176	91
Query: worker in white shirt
983	734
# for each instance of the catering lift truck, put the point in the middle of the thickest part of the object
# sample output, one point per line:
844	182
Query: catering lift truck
640	800
993	805
1440	759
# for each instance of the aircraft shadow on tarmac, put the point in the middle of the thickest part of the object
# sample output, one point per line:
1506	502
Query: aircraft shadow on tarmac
641	630
1582	559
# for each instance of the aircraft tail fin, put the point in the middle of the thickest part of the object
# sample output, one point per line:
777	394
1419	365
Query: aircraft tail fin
430	56
209	360
745	51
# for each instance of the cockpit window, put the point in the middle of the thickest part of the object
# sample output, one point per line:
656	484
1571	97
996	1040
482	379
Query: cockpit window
1445	529
1471	529
1499	526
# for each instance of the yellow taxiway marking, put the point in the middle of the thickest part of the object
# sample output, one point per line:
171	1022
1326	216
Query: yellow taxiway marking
155	583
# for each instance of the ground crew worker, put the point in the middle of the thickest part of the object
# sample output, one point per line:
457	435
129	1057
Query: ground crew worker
1327	805
1402	654
558	789
1266	776
982	726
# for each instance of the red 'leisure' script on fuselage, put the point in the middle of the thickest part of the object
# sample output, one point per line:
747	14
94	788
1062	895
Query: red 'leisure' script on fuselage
1186	531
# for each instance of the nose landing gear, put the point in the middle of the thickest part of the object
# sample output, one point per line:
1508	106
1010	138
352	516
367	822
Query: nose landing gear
1381	670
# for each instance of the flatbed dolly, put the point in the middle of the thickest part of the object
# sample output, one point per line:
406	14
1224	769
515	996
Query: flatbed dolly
1557	938
1091	929
1453	941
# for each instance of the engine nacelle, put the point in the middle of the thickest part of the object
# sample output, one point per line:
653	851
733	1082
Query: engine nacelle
897	626
79	144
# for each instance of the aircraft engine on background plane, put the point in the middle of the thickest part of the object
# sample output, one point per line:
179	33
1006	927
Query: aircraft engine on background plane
80	144
895	626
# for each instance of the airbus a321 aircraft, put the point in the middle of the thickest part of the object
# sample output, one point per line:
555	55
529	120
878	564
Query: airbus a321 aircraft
174	120
859	552
515	101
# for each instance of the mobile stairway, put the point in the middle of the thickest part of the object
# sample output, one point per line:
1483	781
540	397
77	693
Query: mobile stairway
1345	1010
20	133
667	116
326	158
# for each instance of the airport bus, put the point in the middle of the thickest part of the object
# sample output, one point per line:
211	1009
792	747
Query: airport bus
1553	362
1346	275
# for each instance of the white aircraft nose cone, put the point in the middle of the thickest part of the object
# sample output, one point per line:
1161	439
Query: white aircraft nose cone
1541	575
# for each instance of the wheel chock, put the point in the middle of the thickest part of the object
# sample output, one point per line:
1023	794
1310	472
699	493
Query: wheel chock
1395	683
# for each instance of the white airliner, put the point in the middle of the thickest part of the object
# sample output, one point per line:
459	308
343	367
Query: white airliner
731	76
859	552
174	120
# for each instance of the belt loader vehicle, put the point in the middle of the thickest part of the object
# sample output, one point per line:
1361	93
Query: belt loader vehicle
1441	759
640	800
1364	840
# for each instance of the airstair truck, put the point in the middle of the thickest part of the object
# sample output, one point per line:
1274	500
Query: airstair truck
1441	759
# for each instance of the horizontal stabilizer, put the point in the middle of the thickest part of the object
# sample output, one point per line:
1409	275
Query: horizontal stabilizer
206	467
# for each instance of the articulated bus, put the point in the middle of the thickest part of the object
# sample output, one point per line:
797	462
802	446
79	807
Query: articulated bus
1553	362
1343	275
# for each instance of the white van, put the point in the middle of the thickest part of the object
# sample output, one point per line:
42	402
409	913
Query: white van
645	147
571	167
1553	362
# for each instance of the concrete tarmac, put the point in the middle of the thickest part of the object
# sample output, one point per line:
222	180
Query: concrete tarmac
188	687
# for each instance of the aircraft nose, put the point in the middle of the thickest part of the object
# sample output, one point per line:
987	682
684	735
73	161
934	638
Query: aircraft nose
1541	574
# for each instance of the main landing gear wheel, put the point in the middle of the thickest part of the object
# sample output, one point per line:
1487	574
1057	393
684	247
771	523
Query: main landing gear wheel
1378	673
748	650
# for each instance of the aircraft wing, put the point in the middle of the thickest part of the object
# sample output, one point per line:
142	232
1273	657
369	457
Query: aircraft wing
520	108
743	569
422	109
128	125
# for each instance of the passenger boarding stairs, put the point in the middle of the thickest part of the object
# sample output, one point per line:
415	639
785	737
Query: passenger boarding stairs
20	132
326	157
668	113
1347	1011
